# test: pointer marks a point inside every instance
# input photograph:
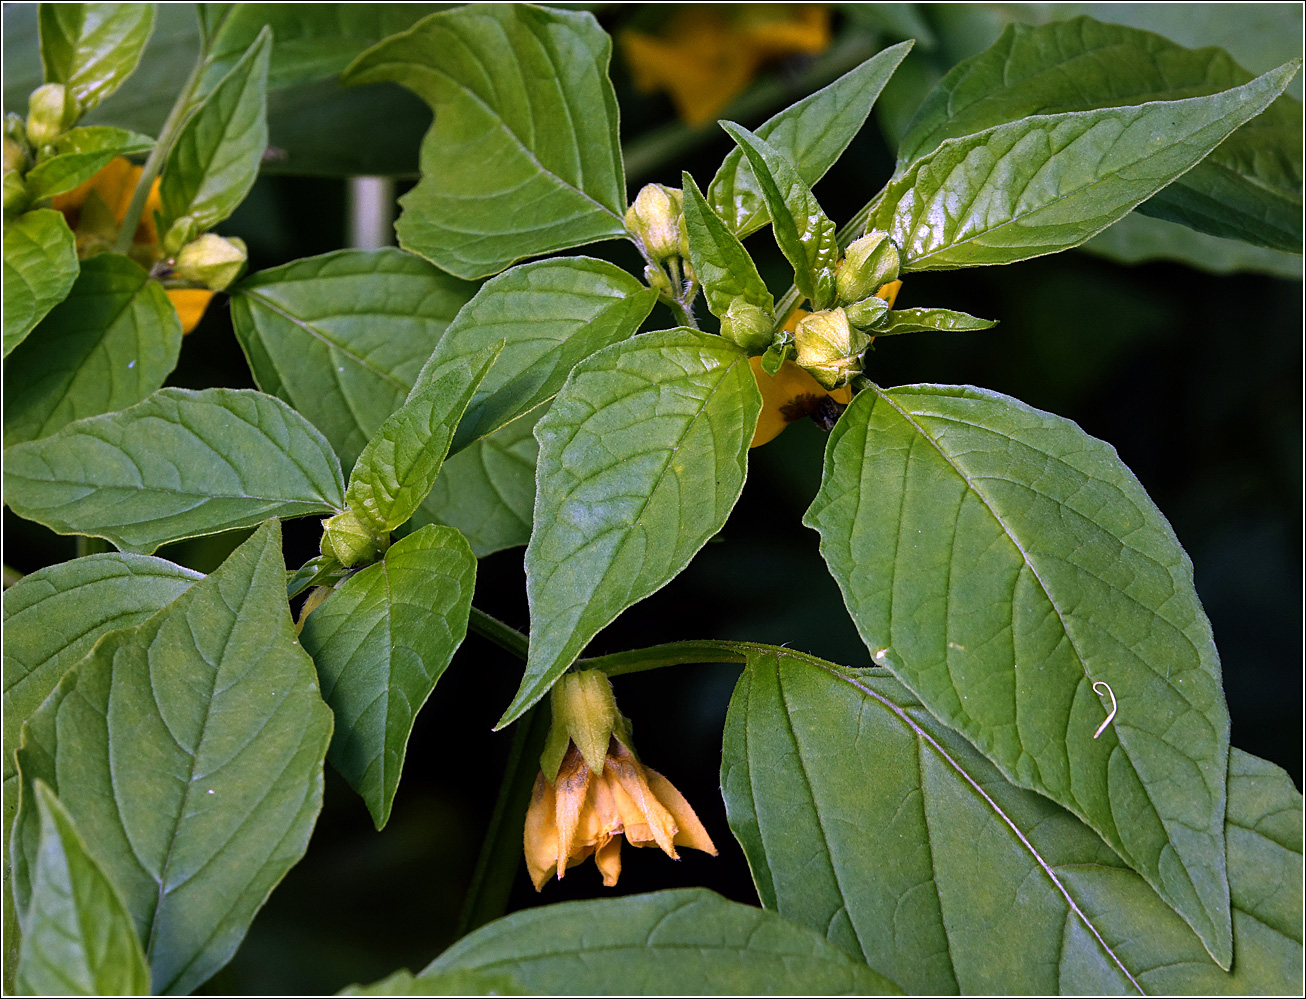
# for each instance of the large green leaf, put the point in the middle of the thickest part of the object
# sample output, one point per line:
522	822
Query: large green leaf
1001	562
380	643
720	261
109	344
52	617
1248	188
813	133
487	490
178	465
78	939
398	467
550	315
523	158
1049	182
866	819
683	942
448	983
193	746
804	233
341	337
216	157
642	456
92	47
40	266
1138	238
78	155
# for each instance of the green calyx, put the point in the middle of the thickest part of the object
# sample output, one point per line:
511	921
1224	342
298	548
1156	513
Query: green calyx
350	541
584	712
829	348
868	264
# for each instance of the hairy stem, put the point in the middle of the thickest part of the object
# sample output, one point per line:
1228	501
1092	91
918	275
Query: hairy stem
506	637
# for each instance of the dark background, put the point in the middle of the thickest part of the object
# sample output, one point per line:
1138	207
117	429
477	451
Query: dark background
1194	378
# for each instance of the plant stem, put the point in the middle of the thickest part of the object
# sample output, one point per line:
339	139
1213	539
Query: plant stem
501	851
502	635
90	546
162	146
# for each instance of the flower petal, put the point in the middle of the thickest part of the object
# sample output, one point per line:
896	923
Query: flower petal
541	834
690	831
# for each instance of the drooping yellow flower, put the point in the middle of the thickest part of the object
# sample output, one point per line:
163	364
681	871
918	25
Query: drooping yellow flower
584	814
705	55
96	208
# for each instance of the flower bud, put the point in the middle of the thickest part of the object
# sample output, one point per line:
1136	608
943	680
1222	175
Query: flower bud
15	157
584	712
179	234
748	326
211	261
654	219
867	312
869	262
656	278
829	348
50	110
350	542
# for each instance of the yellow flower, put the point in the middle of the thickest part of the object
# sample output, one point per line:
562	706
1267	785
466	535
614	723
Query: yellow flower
707	54
97	207
791	393
584	814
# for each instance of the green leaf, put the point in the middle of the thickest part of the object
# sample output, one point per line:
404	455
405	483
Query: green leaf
380	643
178	465
451	983
311	41
342	336
79	939
804	233
523	158
927	320
92	47
398	467
642	456
687	941
1001	562
723	266
1248	188
216	158
109	344
866	819
1138	239
193	746
321	570
40	266
550	315
812	133
487	490
78	155
1049	182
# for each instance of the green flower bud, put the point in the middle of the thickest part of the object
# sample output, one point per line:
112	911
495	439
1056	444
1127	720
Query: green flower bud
351	542
829	348
50	110
654	219
211	261
584	712
15	157
657	279
748	326
868	264
180	233
866	313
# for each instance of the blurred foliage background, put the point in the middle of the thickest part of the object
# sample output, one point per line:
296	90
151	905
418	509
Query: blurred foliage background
1194	375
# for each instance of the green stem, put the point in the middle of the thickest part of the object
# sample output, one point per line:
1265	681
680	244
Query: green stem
162	146
501	851
502	635
90	546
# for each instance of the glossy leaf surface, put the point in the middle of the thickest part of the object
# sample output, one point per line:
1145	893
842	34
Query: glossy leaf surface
380	643
521	161
812	133
1000	561
109	344
78	937
91	48
1047	183
923	320
688	942
40	266
216	158
723	266
550	315
866	819
341	337
77	155
193	746
642	456
178	465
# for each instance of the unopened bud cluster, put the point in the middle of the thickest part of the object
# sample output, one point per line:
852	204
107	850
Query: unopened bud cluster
657	221
212	261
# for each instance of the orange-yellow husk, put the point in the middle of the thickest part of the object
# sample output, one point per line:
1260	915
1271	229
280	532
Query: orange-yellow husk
583	814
